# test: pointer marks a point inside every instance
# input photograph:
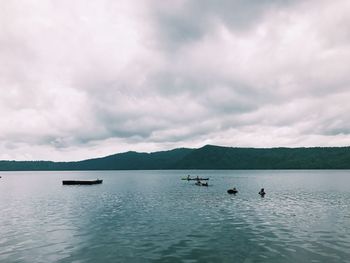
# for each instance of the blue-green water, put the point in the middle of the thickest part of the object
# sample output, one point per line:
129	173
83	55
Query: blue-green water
153	216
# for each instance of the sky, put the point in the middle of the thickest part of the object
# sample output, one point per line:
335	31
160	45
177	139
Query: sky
82	79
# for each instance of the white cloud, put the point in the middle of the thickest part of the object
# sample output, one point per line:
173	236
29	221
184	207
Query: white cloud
80	80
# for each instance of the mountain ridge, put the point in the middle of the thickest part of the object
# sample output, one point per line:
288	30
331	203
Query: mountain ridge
206	157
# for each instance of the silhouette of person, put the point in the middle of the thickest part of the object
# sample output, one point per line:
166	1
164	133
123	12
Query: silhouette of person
262	192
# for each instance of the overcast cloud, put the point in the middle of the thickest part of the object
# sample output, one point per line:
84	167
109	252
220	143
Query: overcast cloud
82	79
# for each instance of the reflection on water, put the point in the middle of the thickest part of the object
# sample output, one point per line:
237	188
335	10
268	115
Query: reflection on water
153	216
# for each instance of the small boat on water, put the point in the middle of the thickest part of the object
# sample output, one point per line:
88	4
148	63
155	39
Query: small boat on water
201	184
194	179
81	182
232	191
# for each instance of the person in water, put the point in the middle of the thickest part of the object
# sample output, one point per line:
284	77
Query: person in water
232	191
262	192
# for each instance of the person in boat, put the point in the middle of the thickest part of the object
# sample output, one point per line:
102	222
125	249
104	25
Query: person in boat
262	192
232	191
188	177
197	178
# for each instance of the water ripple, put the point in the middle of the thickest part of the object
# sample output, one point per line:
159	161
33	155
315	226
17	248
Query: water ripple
150	216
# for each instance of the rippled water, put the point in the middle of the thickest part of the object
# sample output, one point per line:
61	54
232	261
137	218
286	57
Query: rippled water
153	216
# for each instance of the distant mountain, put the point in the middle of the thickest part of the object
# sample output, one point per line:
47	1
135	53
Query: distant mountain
135	161
216	157
207	157
121	161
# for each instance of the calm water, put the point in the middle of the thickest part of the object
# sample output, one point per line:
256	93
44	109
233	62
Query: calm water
153	216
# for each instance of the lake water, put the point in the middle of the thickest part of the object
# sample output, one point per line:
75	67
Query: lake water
153	216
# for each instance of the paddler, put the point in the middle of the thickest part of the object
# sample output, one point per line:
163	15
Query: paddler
262	192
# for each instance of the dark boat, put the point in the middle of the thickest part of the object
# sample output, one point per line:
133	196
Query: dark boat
81	182
195	179
201	184
232	191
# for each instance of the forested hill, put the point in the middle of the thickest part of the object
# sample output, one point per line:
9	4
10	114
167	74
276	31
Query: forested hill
121	161
216	157
207	157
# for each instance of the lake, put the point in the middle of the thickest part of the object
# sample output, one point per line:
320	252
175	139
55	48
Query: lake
153	216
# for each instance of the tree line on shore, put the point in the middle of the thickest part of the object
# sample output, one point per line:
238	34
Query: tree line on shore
207	157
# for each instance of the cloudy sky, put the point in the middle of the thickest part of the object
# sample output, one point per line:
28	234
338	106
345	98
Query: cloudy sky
82	79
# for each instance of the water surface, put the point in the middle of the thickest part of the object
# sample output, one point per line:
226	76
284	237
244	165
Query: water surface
153	216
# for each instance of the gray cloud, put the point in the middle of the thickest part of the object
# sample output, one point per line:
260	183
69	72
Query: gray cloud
192	20
82	80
